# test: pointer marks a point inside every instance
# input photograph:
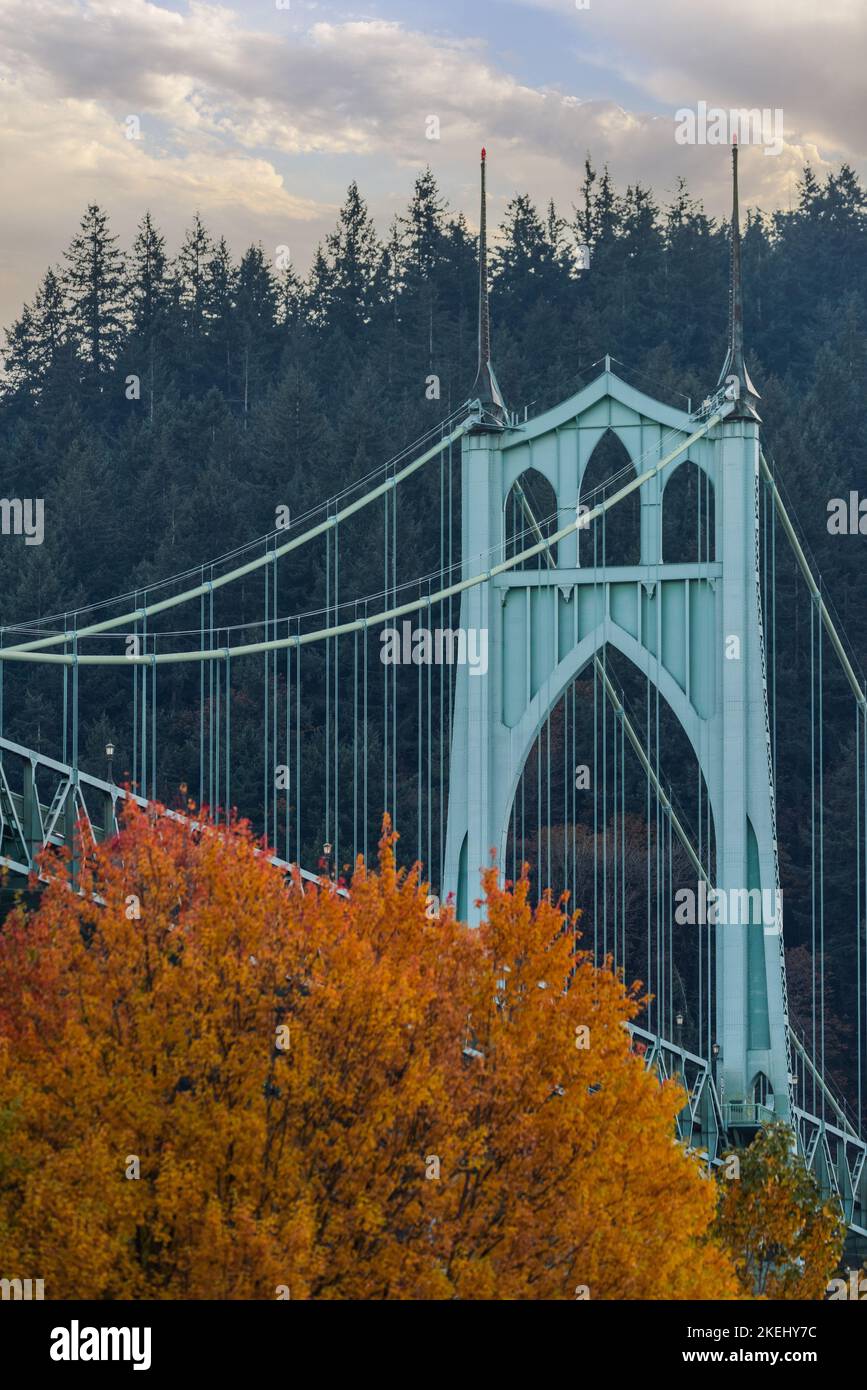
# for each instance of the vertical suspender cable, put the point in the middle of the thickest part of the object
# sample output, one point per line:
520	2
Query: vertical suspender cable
336	744
858	902
144	712
201	692
548	800
287	780
813	834
385	589
275	705
298	748
266	780
211	690
864	830
648	815
419	735
154	717
327	779
229	739
66	713
429	861
394	813
355	740
364	798
217	759
623	843
820	634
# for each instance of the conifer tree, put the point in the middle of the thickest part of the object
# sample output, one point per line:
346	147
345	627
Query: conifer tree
423	226
19	356
320	289
288	299
255	310
95	283
150	297
356	261
147	276
191	269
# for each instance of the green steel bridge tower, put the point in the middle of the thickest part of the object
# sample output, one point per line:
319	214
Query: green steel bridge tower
695	631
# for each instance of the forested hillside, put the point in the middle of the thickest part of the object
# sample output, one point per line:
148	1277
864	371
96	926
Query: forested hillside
257	385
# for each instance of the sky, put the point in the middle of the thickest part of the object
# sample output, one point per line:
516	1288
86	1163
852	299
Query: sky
258	114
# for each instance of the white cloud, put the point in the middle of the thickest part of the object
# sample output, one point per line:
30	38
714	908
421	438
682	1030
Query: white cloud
231	116
805	57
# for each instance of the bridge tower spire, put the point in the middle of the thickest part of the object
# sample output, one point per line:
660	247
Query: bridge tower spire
694	630
734	373
485	387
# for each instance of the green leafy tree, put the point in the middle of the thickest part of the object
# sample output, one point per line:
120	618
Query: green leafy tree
784	1240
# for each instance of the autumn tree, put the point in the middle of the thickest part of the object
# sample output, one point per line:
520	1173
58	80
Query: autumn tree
785	1240
215	1084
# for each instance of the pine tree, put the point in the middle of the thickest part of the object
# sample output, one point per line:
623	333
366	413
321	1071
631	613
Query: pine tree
150	299
423	227
395	265
37	340
218	314
809	192
524	250
356	260
289	299
51	321
19	357
694	272
320	290
584	228
606	211
557	237
255	292
191	269
95	281
148	287
256	308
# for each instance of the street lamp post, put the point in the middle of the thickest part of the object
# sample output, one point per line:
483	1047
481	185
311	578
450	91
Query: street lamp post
109	753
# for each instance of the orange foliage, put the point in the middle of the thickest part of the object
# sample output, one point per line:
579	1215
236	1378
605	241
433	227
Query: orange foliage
296	1074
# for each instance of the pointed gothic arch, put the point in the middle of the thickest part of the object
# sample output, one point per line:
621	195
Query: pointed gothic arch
614	539
762	1091
578	815
577	661
531	502
688	516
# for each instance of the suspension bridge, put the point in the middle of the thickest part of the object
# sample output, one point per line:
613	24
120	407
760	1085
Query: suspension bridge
585	681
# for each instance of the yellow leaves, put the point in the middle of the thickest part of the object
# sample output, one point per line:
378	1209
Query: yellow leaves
305	1167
